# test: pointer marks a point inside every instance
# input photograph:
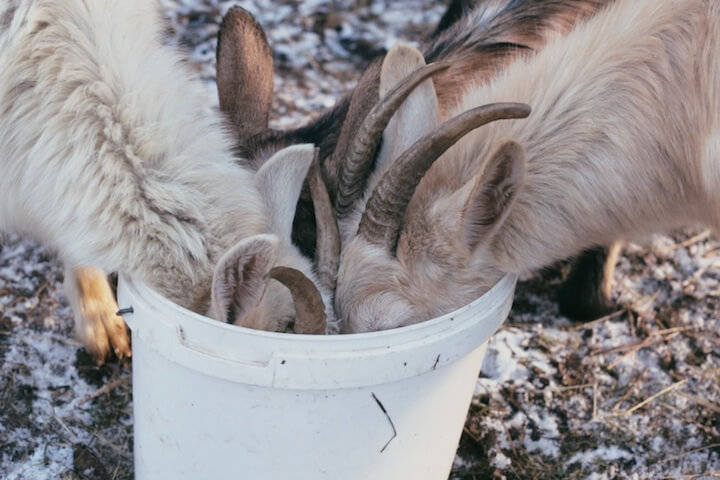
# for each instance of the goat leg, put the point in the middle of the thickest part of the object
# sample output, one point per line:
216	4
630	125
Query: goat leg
586	293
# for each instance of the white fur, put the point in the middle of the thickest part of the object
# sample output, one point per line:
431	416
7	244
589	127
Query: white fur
622	141
109	154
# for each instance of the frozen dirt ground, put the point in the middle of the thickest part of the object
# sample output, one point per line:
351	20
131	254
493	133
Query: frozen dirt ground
635	395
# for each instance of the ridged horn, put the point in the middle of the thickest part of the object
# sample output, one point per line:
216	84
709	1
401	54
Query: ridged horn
383	217
355	168
327	251
310	316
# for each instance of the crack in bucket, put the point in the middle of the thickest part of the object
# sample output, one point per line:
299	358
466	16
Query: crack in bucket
382	407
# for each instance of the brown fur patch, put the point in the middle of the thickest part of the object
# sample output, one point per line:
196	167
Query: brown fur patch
244	72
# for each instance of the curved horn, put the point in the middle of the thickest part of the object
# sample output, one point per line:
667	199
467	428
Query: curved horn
310	316
327	252
360	155
383	216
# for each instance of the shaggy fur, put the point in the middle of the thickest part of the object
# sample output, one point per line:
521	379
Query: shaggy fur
110	157
493	33
623	141
479	38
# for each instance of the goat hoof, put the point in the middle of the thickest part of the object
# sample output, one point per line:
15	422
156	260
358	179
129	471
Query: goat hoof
100	329
106	335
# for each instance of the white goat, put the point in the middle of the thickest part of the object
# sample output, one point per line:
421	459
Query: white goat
110	157
476	40
623	141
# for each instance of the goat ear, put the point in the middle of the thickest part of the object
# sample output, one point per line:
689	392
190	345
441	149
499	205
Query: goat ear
419	113
241	278
494	191
244	72
280	181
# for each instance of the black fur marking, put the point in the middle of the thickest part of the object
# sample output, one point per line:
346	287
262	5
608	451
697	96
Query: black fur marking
323	132
494	34
581	296
526	18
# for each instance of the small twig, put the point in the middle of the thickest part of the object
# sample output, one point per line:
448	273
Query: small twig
118	450
706	336
651	340
647	343
667	333
630	388
673	330
585	325
571	387
642	304
313	63
73	438
632	319
690	241
649	399
107	388
15	301
680	414
700	272
116	471
470	434
382	407
701	401
41	289
510	440
692	476
595	401
47	336
689	452
706	374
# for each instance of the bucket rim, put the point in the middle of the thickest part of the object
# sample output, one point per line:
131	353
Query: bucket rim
506	282
287	360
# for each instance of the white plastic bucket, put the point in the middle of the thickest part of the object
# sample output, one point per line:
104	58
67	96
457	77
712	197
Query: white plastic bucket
214	401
